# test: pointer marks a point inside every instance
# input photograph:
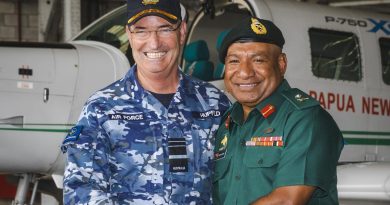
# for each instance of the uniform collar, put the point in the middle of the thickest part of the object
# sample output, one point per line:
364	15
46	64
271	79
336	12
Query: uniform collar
270	106
267	108
136	91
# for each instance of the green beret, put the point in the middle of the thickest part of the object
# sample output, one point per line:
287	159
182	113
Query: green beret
253	29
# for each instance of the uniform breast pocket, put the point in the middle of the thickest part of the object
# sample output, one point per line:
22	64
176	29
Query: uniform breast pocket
221	168
203	125
262	157
135	135
202	131
221	180
135	155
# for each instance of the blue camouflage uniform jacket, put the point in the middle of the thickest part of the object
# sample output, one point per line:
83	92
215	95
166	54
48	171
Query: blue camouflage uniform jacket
127	148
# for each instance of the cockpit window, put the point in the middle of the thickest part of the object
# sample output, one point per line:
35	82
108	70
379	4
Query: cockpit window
335	55
110	30
384	44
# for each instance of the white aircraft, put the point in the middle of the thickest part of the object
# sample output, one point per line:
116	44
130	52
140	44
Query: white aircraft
339	56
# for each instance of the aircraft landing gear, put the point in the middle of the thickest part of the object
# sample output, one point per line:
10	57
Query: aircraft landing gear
23	189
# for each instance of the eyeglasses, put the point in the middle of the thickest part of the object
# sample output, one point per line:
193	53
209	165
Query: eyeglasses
161	32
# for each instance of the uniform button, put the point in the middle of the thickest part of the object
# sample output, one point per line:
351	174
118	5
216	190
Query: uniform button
260	161
238	177
243	142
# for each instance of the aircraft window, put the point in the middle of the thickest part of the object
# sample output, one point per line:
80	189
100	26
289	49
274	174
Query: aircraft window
384	43
110	30
202	57
335	55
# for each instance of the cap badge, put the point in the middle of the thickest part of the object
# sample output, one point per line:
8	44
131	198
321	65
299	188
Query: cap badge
258	27
147	2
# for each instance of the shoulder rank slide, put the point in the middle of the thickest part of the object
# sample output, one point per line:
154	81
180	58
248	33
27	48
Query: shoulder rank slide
299	99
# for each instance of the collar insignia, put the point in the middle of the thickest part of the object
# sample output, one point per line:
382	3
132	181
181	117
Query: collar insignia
258	27
227	122
267	110
147	2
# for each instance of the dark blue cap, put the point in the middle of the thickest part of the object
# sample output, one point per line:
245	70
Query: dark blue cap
167	9
252	29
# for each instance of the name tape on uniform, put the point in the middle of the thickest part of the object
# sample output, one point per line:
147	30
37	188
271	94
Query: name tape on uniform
207	114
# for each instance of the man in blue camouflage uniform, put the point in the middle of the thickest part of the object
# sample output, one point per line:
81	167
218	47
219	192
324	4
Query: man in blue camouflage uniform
147	138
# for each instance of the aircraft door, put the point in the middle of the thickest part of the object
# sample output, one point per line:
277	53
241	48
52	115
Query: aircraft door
38	79
36	93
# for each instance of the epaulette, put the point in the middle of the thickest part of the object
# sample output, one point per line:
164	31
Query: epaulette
299	99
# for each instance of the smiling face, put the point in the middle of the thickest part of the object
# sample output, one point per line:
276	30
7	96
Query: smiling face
158	53
253	71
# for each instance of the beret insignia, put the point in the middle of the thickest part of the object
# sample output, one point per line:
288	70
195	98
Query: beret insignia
258	27
254	29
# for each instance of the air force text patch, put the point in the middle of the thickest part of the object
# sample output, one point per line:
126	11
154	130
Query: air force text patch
127	117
